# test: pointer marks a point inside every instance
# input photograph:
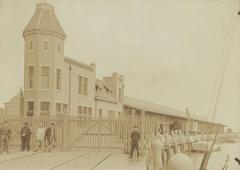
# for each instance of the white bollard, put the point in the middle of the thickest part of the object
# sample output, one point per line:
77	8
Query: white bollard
157	155
180	161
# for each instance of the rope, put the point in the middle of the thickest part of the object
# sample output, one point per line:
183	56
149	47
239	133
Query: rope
222	70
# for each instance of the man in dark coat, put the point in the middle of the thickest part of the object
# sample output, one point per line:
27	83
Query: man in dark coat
5	137
135	137
25	137
50	137
1	134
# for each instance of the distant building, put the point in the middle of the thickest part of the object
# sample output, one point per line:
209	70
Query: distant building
13	106
2	111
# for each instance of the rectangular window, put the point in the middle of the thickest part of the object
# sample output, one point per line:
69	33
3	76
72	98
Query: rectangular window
30	110
65	108
59	48
30	45
44	107
58	79
85	86
120	95
58	108
45	77
111	114
80	84
85	111
45	45
30	72
79	110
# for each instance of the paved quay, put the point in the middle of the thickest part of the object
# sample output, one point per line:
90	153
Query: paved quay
69	161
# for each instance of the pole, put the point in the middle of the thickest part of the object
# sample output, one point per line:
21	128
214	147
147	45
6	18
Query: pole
69	105
208	153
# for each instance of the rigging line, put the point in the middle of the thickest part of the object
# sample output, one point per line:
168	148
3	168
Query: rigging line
226	56
222	58
204	4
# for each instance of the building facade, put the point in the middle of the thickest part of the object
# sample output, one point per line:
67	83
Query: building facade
55	84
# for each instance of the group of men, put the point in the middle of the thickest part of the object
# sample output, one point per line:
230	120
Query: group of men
45	137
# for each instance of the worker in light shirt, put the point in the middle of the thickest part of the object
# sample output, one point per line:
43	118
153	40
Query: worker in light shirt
40	136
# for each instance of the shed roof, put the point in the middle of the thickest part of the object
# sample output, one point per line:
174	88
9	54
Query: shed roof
159	109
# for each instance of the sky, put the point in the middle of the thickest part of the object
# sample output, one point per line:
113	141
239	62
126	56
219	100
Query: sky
169	51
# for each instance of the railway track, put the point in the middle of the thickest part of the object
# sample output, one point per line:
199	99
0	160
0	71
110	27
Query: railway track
18	157
81	156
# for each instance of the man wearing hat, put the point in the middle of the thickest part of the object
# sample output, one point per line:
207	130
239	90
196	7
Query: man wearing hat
1	134
50	137
25	137
5	137
135	137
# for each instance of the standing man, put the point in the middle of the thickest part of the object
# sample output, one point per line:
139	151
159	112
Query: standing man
5	137
50	137
40	135
1	134
135	137
25	137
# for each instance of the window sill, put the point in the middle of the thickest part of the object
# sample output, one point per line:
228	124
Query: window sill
45	89
80	95
58	90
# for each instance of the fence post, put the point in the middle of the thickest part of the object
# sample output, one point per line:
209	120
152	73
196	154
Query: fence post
64	134
142	131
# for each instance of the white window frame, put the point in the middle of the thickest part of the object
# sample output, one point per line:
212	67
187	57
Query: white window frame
28	101
60	108
83	85
63	108
29	77
49	78
42	111
58	81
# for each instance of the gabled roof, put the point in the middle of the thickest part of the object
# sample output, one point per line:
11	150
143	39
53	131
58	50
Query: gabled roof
100	84
44	19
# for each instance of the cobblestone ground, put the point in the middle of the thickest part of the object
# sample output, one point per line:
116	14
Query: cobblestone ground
69	161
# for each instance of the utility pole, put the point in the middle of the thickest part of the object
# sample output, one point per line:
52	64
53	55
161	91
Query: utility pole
188	120
69	107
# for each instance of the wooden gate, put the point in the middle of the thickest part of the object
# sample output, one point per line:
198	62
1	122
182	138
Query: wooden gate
98	135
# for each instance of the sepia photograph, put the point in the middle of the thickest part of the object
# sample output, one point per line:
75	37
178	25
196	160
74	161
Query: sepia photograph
119	84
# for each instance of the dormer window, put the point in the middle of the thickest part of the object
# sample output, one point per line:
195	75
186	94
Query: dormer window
45	45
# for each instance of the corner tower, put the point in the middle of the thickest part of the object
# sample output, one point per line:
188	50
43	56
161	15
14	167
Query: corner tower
44	59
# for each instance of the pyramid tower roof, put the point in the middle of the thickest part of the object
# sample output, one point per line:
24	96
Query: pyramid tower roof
44	20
